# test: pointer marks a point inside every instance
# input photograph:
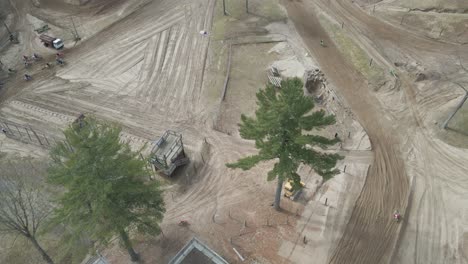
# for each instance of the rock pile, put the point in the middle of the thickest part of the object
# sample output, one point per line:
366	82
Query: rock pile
314	81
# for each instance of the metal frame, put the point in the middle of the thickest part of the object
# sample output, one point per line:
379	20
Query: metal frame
195	244
175	153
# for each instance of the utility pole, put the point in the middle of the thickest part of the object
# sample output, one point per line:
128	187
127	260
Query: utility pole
77	37
247	6
224	7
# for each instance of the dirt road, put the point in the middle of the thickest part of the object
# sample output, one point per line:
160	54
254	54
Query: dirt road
146	72
370	236
386	187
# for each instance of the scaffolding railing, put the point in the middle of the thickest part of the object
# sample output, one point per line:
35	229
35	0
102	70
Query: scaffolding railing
168	152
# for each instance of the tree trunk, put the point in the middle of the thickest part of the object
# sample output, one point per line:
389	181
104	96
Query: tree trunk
279	188
40	249
128	245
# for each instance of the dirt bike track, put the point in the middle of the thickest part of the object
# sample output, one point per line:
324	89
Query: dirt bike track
371	236
370	217
147	72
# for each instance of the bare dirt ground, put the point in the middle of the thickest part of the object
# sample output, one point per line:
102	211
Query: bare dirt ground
145	65
152	79
404	140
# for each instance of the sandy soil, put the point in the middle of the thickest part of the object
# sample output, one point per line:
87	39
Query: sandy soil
406	149
143	65
446	23
151	80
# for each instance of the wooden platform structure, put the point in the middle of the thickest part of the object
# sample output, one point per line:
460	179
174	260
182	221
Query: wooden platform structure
168	153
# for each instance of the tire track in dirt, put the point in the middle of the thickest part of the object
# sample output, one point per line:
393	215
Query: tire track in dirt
187	57
102	66
436	239
425	246
125	59
164	98
433	238
177	49
168	64
147	68
195	93
384	31
174	32
200	57
164	22
206	194
154	84
165	53
432	235
171	74
371	232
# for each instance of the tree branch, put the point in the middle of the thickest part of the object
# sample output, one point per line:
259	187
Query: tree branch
247	162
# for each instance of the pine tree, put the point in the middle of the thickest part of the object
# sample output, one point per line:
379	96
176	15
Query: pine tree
277	128
106	192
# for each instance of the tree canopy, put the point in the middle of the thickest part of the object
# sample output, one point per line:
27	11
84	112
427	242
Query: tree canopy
278	129
106	189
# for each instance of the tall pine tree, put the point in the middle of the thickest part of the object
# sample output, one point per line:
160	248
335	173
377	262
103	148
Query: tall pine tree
277	128
106	192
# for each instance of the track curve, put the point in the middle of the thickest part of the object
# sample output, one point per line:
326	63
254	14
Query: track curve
370	232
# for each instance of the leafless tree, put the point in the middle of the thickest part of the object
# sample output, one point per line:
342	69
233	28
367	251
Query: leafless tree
23	206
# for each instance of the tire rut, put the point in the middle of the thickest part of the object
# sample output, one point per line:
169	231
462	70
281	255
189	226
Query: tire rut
371	232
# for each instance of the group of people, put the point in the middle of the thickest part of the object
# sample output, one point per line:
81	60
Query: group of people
27	62
35	57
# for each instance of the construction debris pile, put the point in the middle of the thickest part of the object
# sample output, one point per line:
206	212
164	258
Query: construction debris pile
314	81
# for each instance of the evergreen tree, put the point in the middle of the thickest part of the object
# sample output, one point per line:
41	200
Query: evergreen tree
106	193
277	128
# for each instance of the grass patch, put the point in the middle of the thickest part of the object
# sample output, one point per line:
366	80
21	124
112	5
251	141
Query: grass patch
358	57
